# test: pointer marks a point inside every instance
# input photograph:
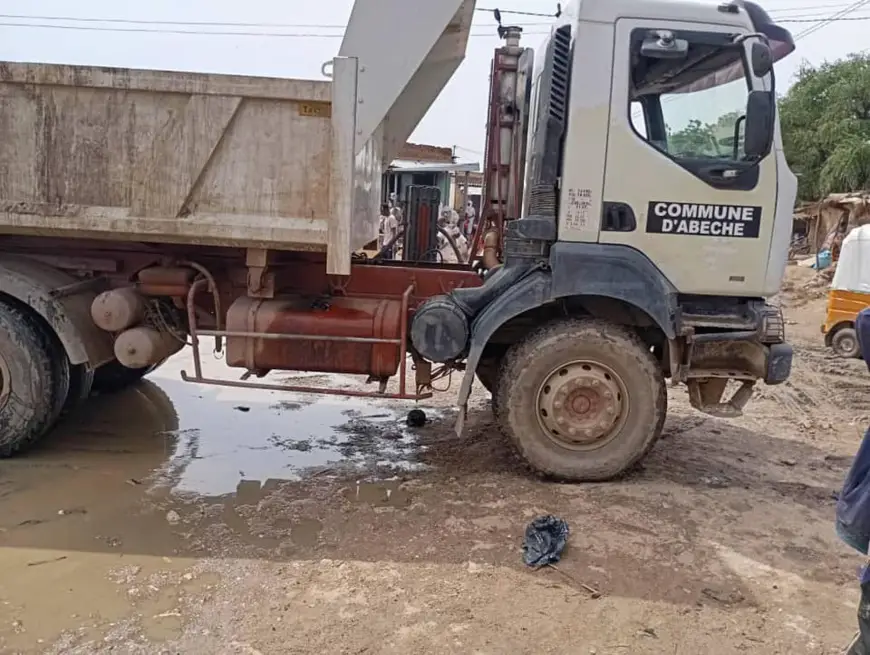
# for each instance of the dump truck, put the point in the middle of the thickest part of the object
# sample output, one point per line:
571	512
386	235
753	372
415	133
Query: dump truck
636	216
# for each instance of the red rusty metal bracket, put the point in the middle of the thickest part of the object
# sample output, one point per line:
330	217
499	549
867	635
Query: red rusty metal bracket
390	280
401	343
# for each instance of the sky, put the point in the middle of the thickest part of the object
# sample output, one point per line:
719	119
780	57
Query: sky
281	45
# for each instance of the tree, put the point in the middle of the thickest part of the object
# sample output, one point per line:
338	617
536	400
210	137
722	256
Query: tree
825	120
696	139
706	139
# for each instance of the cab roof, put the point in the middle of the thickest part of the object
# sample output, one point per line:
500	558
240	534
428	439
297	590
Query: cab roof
741	14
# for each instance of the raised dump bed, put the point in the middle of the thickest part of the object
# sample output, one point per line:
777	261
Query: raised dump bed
164	156
220	160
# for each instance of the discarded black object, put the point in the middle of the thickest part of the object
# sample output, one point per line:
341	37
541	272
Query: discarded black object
545	540
416	418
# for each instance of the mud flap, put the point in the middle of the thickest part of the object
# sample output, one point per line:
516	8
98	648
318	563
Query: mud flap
530	292
461	418
63	302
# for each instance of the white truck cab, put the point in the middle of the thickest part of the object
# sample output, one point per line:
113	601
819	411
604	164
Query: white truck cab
671	145
656	217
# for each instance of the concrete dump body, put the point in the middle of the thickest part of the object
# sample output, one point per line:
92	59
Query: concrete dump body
171	157
164	157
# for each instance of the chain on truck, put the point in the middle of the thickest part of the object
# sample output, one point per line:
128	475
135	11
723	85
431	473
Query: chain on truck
636	215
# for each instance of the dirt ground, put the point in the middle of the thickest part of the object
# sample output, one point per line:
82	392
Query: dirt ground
180	519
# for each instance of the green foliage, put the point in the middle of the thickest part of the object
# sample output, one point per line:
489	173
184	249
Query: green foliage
705	139
693	140
825	120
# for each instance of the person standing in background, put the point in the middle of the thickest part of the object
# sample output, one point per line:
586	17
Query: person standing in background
396	225
448	221
853	507
387	230
469	222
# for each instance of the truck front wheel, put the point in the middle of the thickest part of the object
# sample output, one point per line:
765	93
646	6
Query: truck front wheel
582	400
488	371
34	380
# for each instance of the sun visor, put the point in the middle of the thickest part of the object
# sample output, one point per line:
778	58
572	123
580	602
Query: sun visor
780	39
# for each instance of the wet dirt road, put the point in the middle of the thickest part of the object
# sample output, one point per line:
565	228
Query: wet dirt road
182	519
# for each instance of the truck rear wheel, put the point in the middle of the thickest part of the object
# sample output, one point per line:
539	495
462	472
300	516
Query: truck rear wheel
34	380
845	343
114	376
81	381
582	400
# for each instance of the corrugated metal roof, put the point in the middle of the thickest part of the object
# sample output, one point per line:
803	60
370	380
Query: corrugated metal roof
408	166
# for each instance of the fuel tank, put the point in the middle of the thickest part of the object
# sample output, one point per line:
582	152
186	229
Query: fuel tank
143	346
331	323
118	309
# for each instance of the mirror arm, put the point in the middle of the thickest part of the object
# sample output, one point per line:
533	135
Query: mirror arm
737	125
741	38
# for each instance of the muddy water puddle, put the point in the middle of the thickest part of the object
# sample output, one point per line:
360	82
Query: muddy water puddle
166	442
204	440
226	435
220	442
159	475
382	493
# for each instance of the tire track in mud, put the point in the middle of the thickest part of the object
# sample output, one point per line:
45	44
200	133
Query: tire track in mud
823	390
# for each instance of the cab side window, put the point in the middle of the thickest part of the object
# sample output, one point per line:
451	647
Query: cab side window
638	120
706	123
692	108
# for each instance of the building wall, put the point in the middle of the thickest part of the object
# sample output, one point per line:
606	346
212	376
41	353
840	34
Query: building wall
426	153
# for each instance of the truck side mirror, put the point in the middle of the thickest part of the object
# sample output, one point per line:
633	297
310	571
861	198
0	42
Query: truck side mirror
662	44
761	58
758	131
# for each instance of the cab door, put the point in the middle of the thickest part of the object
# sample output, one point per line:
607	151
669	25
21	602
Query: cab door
678	185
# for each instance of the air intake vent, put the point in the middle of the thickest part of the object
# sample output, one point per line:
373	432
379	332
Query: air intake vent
551	117
561	74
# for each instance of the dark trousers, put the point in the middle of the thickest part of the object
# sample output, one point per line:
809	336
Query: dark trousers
861	643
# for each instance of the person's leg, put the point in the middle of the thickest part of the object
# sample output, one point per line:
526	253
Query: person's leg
861	643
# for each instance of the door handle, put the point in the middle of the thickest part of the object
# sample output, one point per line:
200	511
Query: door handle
722	173
618	217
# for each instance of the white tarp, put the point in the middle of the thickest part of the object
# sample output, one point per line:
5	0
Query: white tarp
853	267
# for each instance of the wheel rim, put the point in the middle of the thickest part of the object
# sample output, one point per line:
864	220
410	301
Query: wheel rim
582	405
5	383
846	343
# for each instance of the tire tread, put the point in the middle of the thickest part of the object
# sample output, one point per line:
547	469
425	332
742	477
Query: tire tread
534	346
50	372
